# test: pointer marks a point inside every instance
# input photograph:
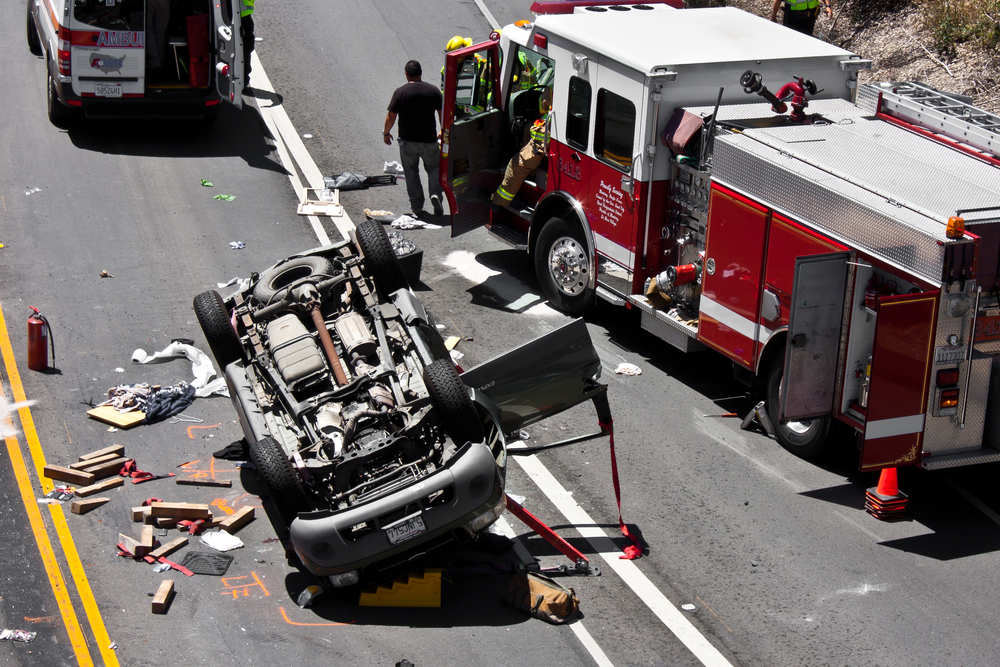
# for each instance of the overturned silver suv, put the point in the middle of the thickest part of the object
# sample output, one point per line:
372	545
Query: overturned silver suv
374	451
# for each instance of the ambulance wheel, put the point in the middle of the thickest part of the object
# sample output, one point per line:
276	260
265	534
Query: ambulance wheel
807	438
282	481
59	114
34	44
564	267
380	259
214	320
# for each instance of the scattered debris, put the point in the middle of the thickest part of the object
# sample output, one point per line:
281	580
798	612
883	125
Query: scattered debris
61	493
206	183
224	483
393	167
224	197
200	562
233	281
113	646
378	214
456	355
409	222
237	245
307	596
222	541
17	635
161	567
164	594
307	136
201	367
84	506
688	607
628	369
451	341
105	274
31	190
119	370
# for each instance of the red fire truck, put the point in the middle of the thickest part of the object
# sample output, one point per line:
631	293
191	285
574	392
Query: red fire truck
839	243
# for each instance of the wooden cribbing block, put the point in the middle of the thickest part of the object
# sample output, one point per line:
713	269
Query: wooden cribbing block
106	469
84	506
169	547
224	483
147	538
100	486
139	514
133	545
181	510
116	450
163	596
164	522
68	475
80	465
234	522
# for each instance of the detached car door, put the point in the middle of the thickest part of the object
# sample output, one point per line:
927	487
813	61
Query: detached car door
229	51
472	122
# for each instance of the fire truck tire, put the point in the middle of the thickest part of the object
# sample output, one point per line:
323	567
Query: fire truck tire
380	258
214	320
563	267
59	114
34	43
451	398
807	438
281	480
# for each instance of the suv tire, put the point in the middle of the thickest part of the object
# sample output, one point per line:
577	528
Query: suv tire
451	398
380	258
215	324
280	478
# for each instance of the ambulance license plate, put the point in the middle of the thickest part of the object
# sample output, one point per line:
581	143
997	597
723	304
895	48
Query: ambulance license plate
406	530
108	90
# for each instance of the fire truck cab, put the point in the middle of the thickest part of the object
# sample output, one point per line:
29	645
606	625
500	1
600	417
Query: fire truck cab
95	54
843	257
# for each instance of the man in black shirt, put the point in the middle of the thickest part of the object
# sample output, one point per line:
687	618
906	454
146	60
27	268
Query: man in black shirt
415	104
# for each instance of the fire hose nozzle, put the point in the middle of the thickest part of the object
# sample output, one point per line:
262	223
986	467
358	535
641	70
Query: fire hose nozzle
753	82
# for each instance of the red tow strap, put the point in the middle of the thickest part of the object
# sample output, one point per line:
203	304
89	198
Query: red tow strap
632	551
547	534
129	469
193	527
122	551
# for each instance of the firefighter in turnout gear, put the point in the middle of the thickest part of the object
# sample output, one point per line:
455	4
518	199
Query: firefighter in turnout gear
528	159
455	43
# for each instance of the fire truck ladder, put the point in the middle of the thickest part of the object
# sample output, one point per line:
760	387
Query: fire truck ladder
949	115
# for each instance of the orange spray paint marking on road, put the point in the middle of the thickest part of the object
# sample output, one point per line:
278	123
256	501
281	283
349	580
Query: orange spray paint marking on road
291	622
224	505
191	435
202	473
234	589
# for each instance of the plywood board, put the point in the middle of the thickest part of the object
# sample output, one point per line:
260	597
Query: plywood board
109	415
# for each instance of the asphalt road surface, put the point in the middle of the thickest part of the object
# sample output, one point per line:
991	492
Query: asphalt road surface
778	558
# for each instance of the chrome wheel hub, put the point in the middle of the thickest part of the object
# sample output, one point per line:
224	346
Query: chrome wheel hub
568	266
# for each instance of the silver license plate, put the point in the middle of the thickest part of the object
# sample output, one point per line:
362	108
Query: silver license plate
108	90
406	530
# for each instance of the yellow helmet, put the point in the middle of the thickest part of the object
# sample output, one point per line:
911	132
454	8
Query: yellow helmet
457	42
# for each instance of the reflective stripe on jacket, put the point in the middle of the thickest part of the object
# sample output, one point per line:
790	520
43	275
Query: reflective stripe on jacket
538	129
247	7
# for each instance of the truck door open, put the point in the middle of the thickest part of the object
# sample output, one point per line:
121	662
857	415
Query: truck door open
814	328
901	360
229	49
472	123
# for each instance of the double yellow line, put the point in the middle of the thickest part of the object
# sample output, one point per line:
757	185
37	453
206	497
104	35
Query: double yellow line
40	532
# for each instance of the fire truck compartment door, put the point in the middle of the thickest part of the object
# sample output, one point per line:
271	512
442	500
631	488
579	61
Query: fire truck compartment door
814	326
229	49
472	121
901	359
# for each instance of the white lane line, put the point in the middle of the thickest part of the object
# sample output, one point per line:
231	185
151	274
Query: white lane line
577	627
285	138
657	602
487	14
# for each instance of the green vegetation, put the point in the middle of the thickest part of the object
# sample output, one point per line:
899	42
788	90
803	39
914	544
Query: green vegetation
954	22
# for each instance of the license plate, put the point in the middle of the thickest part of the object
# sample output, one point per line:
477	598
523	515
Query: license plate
406	530
108	90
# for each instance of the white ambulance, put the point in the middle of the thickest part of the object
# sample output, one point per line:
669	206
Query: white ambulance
96	58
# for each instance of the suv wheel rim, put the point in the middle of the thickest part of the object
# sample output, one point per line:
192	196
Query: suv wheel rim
568	266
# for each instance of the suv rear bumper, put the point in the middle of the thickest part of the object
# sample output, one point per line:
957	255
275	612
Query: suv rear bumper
325	542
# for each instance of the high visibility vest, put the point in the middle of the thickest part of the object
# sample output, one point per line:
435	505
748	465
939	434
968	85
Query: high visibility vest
526	74
247	7
539	127
794	6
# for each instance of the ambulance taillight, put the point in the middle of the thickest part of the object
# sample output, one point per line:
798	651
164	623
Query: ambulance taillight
63	61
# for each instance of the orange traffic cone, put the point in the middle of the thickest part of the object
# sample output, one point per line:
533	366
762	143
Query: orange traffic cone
886	502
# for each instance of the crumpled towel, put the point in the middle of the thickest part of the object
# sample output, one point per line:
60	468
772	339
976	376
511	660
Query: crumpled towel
346	181
393	167
628	369
409	222
128	397
201	366
169	401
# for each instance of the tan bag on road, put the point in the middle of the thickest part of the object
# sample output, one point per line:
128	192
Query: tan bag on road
543	598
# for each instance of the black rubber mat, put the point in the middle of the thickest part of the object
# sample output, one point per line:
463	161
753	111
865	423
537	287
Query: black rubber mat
201	562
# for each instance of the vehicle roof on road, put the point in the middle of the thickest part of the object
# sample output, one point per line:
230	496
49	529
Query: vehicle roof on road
664	36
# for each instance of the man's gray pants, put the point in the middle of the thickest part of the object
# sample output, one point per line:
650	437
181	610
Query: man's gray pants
410	155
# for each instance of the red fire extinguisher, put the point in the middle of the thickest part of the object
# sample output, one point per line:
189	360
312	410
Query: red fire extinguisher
39	339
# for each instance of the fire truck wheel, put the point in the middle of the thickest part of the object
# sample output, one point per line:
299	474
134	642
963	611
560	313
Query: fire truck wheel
807	438
563	267
214	320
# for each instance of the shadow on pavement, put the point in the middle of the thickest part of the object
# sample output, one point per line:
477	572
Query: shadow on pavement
235	133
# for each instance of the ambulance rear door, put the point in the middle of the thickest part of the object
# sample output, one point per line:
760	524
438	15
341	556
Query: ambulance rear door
900	374
472	123
229	50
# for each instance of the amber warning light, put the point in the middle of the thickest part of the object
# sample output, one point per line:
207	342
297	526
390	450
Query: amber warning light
956	227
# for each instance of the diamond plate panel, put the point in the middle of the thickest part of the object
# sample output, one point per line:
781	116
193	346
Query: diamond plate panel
666	328
867	98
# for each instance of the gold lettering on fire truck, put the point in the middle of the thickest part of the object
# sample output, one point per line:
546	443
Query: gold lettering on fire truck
610	203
